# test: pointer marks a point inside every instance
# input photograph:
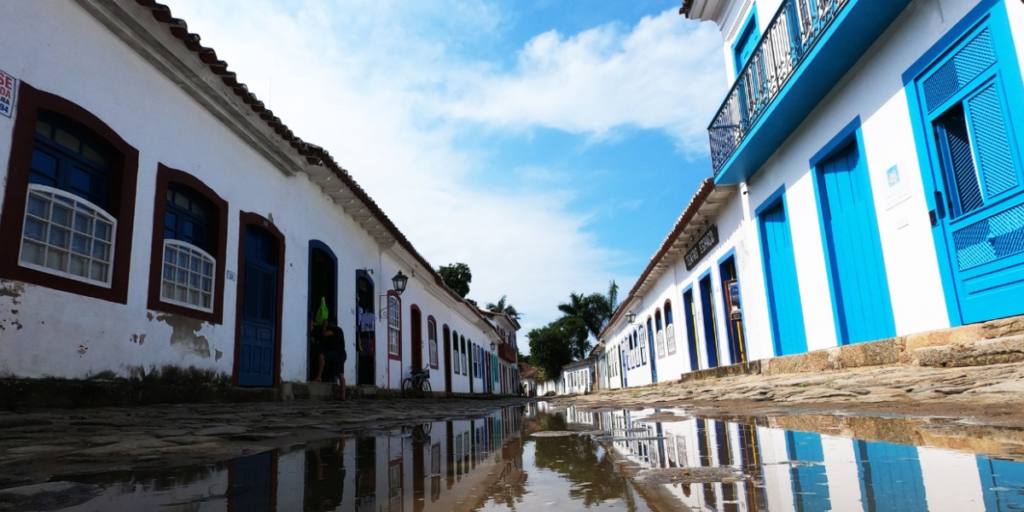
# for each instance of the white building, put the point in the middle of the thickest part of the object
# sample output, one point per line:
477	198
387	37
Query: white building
156	214
867	183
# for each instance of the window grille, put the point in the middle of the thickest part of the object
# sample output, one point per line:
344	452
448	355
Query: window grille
187	276
67	236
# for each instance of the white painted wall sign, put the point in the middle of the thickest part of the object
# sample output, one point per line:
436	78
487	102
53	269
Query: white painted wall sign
8	88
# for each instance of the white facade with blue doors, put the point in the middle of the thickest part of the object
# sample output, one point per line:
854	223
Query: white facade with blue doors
885	197
880	181
157	215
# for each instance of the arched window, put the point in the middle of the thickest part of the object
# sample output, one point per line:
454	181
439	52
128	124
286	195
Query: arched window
659	336
394	326
465	362
457	358
69	229
432	342
641	344
189	247
670	329
69	202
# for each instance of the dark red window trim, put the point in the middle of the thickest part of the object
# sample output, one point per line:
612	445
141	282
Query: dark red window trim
123	182
254	219
218	243
387	326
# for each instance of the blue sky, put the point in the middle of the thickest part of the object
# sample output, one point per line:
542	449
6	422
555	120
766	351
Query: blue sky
549	144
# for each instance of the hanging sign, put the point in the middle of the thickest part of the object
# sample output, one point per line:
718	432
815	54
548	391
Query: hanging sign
705	243
8	86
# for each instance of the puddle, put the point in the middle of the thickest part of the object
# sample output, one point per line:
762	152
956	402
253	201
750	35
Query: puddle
534	458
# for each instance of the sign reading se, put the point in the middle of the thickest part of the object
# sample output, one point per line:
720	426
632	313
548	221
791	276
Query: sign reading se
8	87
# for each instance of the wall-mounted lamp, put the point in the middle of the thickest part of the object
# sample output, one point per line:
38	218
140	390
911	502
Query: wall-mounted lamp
399	282
631	317
368	270
493	346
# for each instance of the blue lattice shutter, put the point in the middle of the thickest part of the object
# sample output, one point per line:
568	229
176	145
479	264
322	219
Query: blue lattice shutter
990	137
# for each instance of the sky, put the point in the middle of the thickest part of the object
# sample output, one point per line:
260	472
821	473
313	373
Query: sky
548	144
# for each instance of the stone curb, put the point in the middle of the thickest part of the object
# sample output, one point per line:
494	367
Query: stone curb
993	342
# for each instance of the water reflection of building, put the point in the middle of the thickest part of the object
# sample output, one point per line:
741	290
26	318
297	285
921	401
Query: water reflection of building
807	472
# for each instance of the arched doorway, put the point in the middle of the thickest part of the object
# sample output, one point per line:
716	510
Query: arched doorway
366	330
322	286
416	318
258	340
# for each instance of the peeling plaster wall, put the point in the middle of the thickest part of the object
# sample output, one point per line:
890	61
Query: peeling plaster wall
48	333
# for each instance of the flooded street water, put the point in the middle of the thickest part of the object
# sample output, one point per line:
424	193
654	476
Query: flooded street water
532	458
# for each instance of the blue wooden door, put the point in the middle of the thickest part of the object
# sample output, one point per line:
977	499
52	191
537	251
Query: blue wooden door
654	355
689	315
784	303
710	325
890	477
259	310
978	203
859	285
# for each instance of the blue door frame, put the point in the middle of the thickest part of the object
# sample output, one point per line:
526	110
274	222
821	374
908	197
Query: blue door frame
710	322
970	137
690	318
784	304
861	302
650	348
890	477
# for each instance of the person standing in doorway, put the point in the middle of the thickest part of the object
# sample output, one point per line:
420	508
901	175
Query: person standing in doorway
333	354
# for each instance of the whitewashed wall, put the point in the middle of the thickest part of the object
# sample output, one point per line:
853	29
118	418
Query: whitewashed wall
52	43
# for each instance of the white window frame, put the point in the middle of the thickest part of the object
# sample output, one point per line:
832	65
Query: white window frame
77	206
394	326
432	342
193	251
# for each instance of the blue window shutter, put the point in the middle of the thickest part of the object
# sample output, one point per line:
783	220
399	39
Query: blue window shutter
989	130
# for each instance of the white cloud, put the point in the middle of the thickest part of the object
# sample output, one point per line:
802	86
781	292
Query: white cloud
384	86
664	73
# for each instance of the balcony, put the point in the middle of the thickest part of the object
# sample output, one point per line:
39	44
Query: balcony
808	46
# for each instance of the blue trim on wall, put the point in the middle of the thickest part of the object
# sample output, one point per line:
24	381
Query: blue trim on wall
941	46
777	198
731	253
689	322
752	30
708	308
885	326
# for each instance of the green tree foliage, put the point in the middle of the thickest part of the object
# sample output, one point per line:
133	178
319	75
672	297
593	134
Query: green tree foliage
594	310
558	344
456	276
502	306
581	460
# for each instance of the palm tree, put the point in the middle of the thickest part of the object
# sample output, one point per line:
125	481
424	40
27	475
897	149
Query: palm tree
595	309
503	307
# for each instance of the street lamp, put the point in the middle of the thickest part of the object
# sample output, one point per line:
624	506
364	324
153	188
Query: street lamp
493	346
399	282
630	317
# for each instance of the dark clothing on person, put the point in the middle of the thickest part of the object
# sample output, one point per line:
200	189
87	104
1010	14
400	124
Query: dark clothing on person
334	340
334	362
332	346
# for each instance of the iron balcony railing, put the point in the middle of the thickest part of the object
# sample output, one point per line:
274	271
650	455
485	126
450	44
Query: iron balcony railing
794	30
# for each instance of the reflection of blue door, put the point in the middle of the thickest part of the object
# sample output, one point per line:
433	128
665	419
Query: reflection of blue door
890	477
780	279
691	329
259	310
1001	482
810	483
710	328
252	483
854	249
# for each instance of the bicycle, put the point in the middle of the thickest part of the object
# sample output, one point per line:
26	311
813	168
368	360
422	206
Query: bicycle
416	385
